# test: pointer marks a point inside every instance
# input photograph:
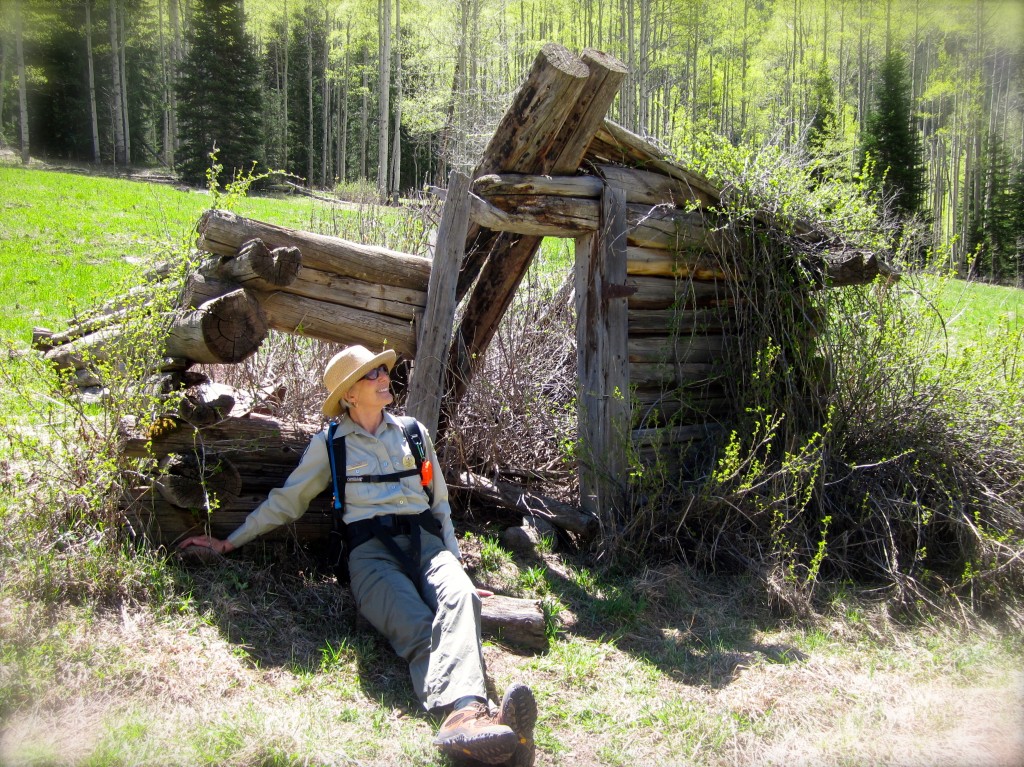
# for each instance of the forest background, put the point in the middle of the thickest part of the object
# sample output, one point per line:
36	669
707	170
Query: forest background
384	97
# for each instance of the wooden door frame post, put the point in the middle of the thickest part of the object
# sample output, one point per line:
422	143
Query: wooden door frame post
434	335
602	357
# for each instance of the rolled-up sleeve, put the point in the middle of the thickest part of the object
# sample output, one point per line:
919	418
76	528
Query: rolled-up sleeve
441	508
289	502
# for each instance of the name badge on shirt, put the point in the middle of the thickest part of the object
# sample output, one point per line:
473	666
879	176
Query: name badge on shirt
408	462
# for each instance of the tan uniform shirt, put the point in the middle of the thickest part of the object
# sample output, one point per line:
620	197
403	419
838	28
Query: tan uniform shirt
383	452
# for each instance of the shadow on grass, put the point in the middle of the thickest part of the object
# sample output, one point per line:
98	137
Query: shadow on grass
280	607
698	631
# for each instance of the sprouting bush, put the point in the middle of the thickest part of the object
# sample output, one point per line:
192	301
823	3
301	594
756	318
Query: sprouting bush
861	444
63	469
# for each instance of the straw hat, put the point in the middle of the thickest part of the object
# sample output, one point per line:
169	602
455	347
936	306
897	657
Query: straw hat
348	366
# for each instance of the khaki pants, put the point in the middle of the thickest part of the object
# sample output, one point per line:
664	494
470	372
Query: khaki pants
438	634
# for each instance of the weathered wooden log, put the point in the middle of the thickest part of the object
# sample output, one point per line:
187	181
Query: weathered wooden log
226	329
233	438
404	304
423	400
601	361
630	149
337	323
678	320
666	228
222	233
81	352
679	348
516	621
197	481
208	403
660	293
844	268
639	186
511	184
400	302
494	289
670	375
163	523
44	340
657	262
505	495
642	186
658	406
257	266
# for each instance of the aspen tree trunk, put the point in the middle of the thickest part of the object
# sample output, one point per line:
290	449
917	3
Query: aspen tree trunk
115	84
643	65
19	53
165	82
343	127
309	103
474	56
122	55
284	91
383	104
172	98
842	65
744	61
3	76
94	121
396	147
325	133
364	125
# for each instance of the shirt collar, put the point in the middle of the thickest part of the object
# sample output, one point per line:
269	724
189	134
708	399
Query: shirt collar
347	426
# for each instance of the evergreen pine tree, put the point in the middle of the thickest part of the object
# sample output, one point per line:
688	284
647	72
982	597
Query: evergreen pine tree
823	129
219	95
823	136
892	142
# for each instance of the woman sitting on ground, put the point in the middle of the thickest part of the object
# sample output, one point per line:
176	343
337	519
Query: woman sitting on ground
403	559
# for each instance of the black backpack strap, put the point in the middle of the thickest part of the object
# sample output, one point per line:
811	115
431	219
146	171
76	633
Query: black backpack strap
338	549
414	436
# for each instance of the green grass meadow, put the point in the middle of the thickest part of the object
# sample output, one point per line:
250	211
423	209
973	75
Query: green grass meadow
68	240
256	660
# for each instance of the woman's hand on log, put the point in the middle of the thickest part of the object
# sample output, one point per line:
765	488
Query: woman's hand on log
484	593
206	542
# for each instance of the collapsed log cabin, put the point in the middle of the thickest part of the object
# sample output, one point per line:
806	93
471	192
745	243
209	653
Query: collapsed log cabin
656	284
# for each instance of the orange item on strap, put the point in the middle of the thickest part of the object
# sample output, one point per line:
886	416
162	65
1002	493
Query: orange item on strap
426	473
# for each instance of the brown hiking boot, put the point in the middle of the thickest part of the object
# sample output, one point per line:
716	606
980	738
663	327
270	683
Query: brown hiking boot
472	733
519	711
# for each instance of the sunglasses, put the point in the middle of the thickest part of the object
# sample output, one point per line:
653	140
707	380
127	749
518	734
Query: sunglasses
374	374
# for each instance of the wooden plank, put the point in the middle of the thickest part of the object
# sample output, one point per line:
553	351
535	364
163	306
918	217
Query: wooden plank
222	233
661	293
426	387
632	150
669	375
601	343
658	262
678	348
549	215
678	320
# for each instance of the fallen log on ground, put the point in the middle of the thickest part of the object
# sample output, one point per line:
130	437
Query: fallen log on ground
510	497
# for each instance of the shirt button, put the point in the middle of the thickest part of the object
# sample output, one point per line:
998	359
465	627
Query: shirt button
402	502
385	463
